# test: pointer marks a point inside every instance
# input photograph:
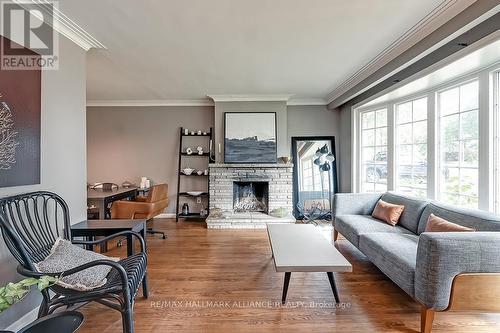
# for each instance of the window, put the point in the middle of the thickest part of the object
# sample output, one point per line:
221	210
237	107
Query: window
459	145
496	145
307	176
374	150
318	176
411	147
434	139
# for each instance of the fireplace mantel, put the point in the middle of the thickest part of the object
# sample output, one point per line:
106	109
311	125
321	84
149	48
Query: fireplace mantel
250	165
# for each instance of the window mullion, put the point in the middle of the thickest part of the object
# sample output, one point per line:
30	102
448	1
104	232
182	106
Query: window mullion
485	114
391	147
432	146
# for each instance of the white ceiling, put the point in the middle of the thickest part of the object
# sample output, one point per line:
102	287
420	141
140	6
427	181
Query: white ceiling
185	50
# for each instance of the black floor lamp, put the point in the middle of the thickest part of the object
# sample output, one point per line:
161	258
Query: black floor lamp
324	159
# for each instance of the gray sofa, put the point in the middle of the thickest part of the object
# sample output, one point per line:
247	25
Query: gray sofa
422	264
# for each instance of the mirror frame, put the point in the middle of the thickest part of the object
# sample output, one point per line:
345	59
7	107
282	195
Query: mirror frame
295	196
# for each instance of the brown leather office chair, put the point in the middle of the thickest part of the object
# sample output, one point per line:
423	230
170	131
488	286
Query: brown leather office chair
143	207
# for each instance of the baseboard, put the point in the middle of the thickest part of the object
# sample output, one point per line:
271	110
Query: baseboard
24	320
165	216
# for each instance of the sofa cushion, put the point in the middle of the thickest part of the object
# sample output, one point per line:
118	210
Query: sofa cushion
388	212
352	226
471	218
412	212
395	255
437	224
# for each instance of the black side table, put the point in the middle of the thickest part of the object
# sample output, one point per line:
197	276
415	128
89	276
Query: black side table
93	228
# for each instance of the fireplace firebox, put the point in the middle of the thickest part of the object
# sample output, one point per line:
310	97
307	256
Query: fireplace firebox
251	196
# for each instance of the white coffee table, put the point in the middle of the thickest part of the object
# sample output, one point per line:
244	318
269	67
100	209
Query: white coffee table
302	248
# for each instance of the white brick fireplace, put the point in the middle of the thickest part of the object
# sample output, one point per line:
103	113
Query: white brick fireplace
275	180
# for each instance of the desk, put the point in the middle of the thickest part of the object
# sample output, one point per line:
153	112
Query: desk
101	199
93	228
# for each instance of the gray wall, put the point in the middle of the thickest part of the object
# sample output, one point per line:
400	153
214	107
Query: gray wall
281	119
63	154
316	121
125	143
345	149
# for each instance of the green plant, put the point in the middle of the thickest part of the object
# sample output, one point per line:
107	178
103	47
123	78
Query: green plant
13	292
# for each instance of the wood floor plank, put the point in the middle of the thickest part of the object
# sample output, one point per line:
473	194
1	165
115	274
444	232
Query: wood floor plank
224	281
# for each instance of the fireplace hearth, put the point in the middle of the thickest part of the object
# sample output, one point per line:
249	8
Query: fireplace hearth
250	196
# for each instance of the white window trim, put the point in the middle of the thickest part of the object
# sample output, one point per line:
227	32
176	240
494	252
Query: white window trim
494	175
489	110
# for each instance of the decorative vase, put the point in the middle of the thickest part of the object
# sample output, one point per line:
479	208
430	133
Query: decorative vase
185	209
143	182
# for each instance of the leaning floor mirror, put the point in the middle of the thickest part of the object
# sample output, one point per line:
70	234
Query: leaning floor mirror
314	177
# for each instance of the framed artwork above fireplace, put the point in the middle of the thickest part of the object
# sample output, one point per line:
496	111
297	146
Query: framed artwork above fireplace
250	137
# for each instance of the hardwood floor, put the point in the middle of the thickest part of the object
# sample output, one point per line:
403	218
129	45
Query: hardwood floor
224	281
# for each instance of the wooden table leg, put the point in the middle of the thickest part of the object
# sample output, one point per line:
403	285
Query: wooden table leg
334	287
285	286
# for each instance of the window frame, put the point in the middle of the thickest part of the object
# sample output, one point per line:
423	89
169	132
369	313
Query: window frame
495	115
395	145
489	136
360	140
438	144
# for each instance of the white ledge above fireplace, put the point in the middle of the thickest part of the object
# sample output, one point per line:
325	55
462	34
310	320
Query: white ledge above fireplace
250	165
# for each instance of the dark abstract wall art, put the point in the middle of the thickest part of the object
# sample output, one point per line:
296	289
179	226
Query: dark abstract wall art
20	105
250	137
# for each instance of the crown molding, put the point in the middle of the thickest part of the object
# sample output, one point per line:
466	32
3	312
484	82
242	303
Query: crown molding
152	102
307	101
250	98
200	102
63	24
437	17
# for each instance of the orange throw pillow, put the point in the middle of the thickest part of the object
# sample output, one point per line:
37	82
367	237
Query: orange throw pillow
388	212
437	224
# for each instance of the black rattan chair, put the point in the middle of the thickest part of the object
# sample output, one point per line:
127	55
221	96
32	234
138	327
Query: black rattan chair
31	223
